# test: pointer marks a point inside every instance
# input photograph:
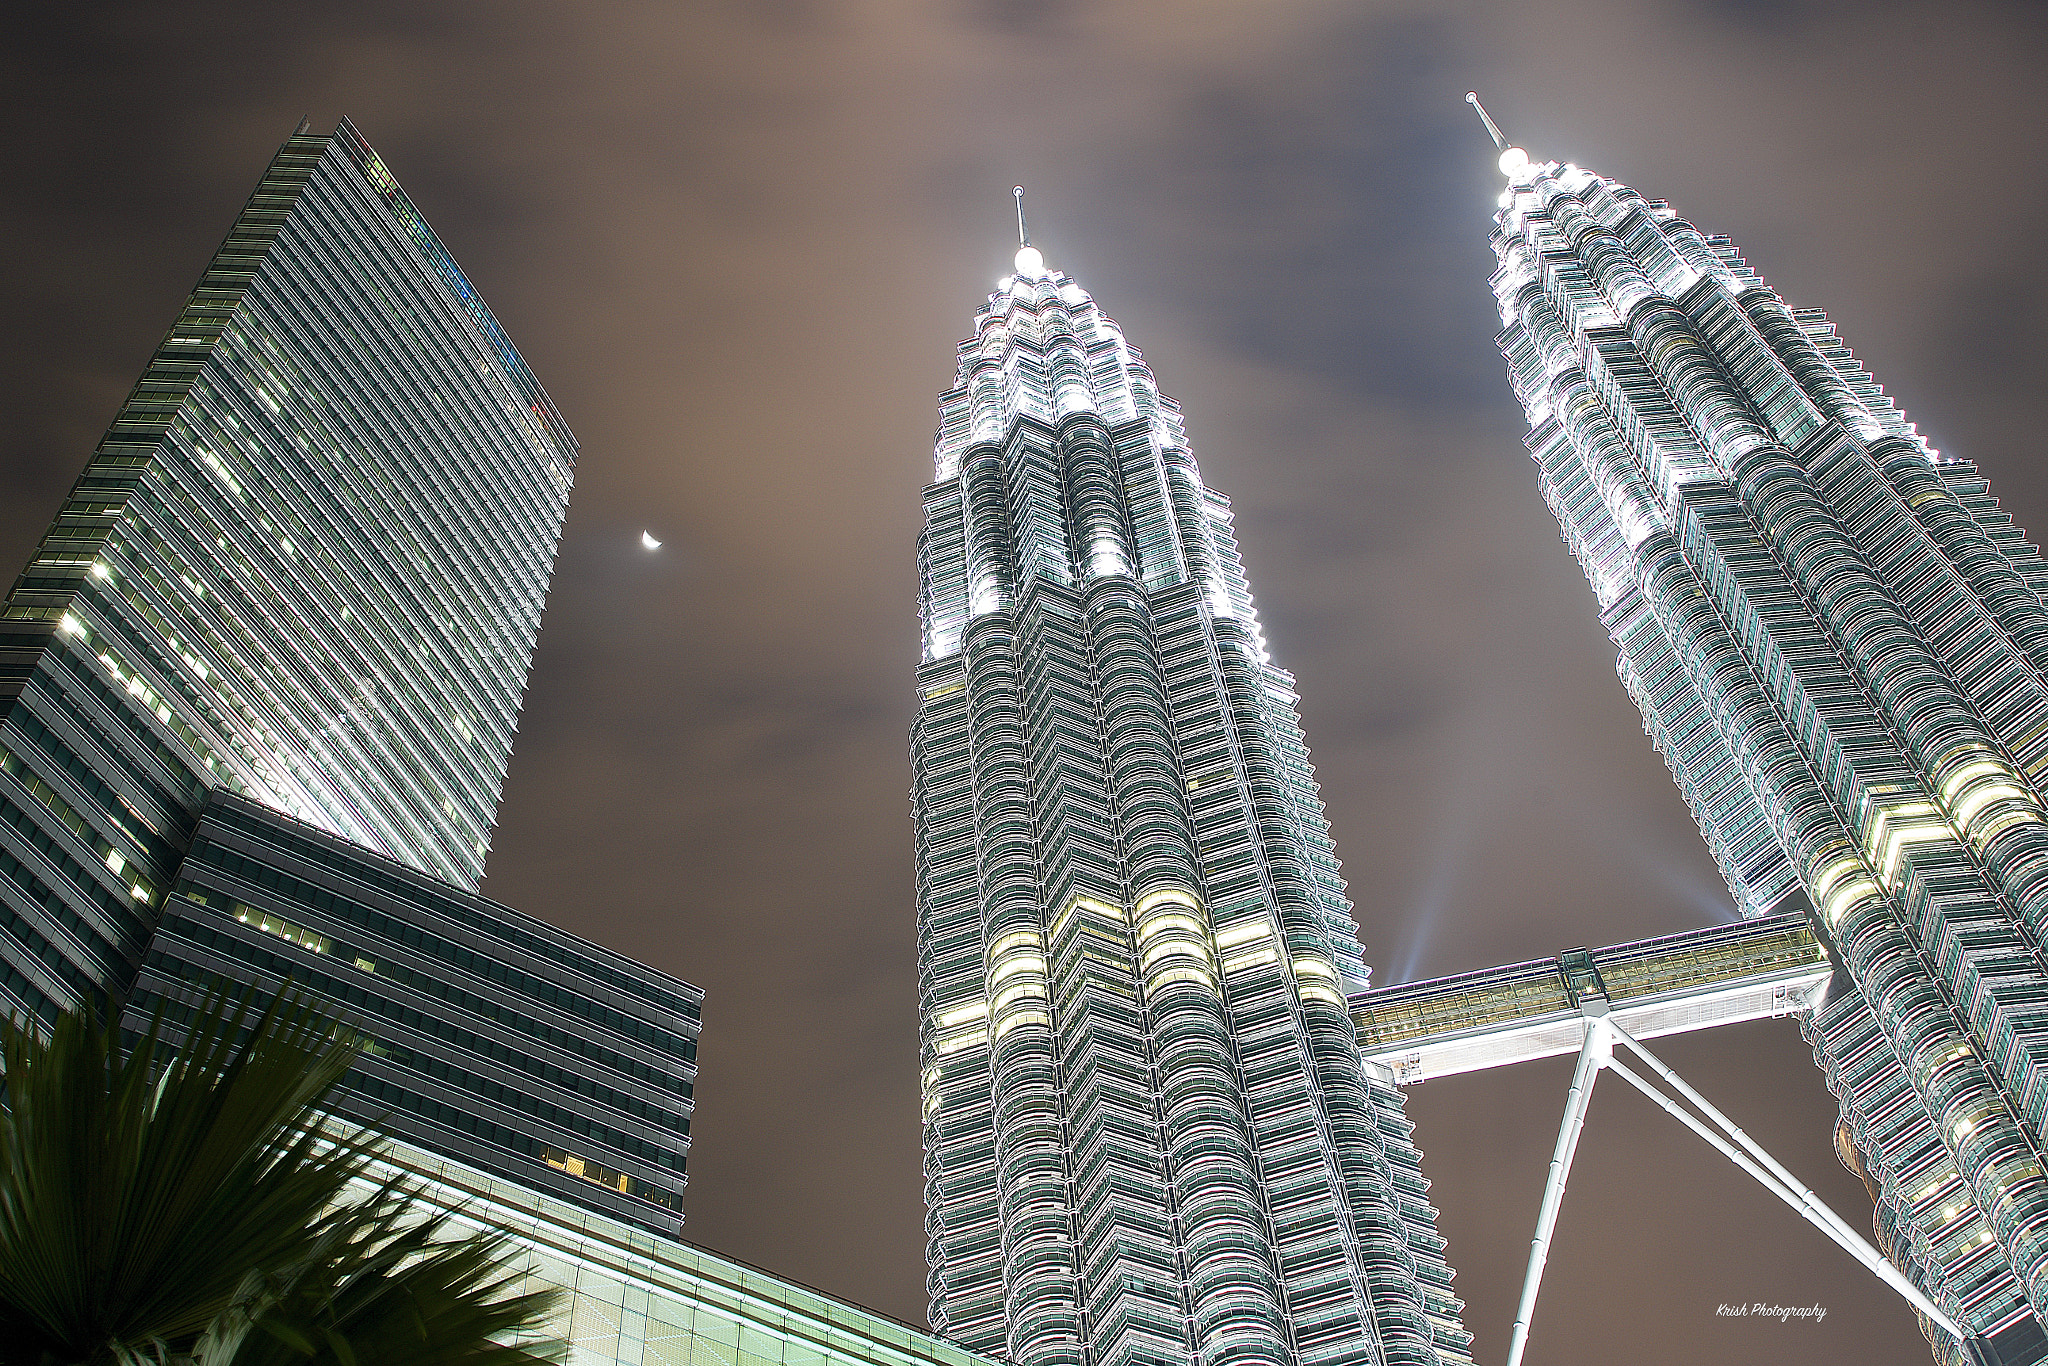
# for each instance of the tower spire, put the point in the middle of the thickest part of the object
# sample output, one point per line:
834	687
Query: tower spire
1513	160
1030	261
1500	141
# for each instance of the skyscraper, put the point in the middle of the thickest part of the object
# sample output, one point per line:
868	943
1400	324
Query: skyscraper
1840	646
260	685
1149	1134
306	564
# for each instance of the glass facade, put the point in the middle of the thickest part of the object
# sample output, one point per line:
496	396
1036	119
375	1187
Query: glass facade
639	1300
1840	646
1149	1133
258	689
491	1037
307	564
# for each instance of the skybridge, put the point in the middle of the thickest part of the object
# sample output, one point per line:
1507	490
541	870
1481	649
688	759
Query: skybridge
1758	969
1601	1004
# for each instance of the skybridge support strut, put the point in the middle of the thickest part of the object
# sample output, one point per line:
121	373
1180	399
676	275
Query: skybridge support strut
1596	1054
1775	1179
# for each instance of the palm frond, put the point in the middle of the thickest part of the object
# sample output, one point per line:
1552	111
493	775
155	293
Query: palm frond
138	1187
395	1289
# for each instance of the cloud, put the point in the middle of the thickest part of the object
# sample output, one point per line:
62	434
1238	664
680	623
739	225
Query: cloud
738	242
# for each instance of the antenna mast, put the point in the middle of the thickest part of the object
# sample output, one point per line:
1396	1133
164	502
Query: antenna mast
1500	141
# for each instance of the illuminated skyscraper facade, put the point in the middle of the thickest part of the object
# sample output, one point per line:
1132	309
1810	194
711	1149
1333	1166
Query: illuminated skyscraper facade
258	688
306	564
1840	646
1149	1134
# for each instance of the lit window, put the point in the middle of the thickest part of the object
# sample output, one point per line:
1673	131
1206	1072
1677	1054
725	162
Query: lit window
1890	829
587	1170
1242	933
283	929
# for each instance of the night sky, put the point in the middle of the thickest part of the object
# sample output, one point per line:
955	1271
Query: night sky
738	242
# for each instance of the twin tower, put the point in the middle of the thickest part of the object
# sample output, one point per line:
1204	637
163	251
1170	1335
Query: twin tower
259	684
1150	1134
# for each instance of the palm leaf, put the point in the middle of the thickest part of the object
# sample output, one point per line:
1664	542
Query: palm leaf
139	1190
393	1289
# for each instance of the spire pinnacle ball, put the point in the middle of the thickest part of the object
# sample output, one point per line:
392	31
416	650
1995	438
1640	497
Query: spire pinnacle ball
1031	263
1513	161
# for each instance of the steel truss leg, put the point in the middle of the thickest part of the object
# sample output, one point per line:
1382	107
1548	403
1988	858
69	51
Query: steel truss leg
1775	1179
1596	1053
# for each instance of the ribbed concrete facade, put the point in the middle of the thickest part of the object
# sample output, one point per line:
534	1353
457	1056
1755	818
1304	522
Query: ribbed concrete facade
1840	646
1149	1134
